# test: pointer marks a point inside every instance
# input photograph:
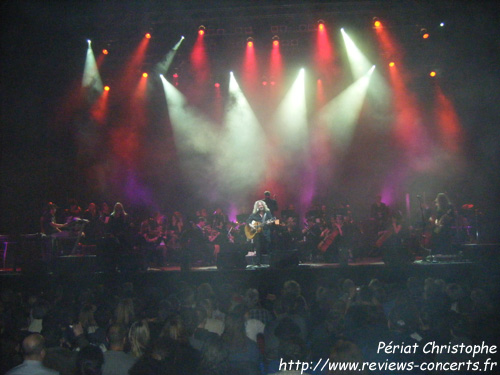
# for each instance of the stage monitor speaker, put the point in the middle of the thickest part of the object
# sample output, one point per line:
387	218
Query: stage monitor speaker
133	262
75	264
231	259
483	253
284	259
396	255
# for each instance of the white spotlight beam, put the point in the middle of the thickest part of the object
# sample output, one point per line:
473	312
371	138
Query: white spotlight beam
357	60
193	132
243	145
341	114
91	77
290	118
162	66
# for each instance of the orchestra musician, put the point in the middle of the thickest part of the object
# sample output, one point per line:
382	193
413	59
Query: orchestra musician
195	245
311	239
119	227
272	203
261	215
379	212
52	230
442	223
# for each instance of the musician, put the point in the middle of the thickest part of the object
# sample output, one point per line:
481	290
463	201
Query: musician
262	241
94	228
52	230
442	235
74	210
379	212
195	244
290	235
48	220
119	226
311	239
219	219
151	240
333	239
272	203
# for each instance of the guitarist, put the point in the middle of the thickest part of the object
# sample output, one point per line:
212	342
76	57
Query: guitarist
262	240
442	234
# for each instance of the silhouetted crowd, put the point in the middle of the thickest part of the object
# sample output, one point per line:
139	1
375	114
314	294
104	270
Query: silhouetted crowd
241	329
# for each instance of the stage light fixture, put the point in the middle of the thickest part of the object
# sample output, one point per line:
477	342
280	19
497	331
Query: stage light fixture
217	85
441	24
321	25
147	36
433	73
276	41
424	33
201	30
105	51
106	88
376	22
391	64
249	41
175	75
145	75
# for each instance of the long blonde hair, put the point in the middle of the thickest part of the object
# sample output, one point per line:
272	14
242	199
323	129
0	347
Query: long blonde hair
125	312
139	336
256	206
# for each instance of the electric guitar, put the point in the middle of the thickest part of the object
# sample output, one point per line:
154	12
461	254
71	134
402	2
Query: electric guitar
255	227
442	221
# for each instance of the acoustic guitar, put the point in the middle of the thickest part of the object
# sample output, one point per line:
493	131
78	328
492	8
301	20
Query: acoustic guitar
255	227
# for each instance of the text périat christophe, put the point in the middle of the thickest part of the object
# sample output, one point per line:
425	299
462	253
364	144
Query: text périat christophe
433	348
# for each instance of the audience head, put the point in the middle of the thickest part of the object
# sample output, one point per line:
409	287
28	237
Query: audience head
117	337
34	347
138	337
124	312
345	351
89	361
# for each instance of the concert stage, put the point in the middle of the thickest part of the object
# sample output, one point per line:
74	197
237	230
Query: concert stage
474	263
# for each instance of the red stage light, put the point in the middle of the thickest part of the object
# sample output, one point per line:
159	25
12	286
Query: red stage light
148	36
276	43
264	83
105	52
145	75
391	64
321	27
377	23
201	32
425	35
217	85
175	75
433	74
249	44
106	88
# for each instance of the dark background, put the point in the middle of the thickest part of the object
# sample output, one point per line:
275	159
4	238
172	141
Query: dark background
43	49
